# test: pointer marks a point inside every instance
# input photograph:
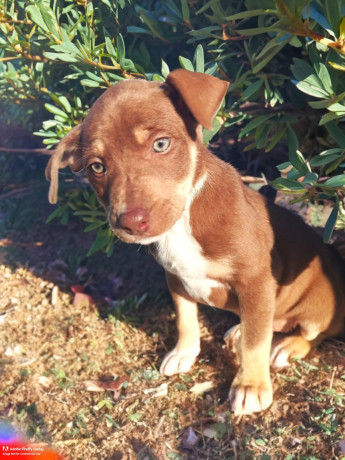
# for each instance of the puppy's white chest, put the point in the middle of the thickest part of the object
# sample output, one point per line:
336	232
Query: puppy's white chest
179	253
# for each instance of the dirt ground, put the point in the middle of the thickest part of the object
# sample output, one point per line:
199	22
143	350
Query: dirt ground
82	339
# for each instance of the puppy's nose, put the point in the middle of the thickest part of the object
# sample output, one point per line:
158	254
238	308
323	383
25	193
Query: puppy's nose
134	222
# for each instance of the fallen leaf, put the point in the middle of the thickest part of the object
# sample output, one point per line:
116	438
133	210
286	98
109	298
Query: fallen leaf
162	390
77	288
215	431
189	439
55	296
44	381
341	445
199	388
98	385
82	299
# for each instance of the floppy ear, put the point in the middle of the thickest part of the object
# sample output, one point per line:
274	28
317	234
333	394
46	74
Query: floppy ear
67	153
203	94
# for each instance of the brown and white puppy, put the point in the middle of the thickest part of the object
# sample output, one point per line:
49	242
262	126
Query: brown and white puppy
220	243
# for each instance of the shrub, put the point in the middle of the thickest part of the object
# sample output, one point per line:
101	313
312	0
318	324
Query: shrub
284	59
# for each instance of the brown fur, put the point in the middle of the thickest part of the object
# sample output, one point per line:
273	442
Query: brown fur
256	259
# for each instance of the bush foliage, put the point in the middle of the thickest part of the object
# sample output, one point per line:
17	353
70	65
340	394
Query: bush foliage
284	59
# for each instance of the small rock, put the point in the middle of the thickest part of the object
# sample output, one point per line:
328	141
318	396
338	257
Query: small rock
55	296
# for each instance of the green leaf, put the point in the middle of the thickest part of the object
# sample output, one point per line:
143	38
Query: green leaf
181	387
249	14
207	5
312	90
295	156
94	225
252	89
164	69
121	50
288	184
297	160
110	47
185	10
292	140
294	175
198	59
334	165
135	417
56	213
65	103
111	421
100	242
48	17
61	57
310	179
56	111
138	30
208	134
254	123
320	104
284	165
308	81
36	16
268	54
90	83
301	69
94	77
336	133
329	227
260	442
186	63
335	181
336	66
324	77
331	151
339	108
342	28
261	30
262	138
320	160
333	14
276	137
328	117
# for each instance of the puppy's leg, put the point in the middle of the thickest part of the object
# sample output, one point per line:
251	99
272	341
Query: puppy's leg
292	346
251	390
311	331
182	357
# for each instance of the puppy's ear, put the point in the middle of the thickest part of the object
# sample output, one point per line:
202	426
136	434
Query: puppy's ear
67	153
203	94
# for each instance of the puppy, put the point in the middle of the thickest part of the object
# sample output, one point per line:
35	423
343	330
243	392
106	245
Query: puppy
221	244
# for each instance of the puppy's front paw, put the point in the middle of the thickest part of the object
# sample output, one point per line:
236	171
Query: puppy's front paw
179	360
246	399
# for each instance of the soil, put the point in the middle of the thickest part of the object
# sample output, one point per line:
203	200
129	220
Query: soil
82	339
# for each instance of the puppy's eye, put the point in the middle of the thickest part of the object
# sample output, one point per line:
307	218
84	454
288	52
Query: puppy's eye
161	145
97	168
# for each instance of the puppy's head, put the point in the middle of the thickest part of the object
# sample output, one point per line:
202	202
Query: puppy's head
139	147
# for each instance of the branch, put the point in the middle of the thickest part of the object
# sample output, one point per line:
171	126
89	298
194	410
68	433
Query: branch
34	151
260	108
301	28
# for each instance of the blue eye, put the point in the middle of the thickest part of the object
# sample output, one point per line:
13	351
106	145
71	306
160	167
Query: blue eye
161	145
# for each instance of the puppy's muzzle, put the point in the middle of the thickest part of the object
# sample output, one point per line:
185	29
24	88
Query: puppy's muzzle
134	222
